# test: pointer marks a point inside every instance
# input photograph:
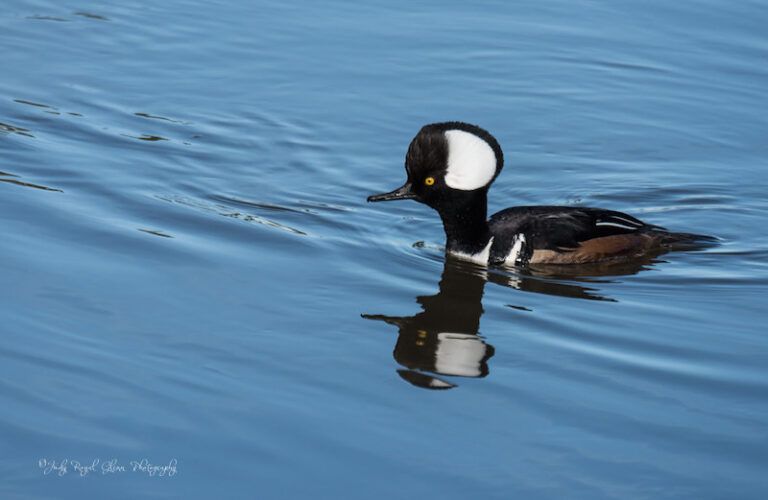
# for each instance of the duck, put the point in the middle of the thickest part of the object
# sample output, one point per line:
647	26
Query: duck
450	167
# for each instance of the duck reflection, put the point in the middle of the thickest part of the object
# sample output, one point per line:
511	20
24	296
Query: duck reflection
580	282
443	339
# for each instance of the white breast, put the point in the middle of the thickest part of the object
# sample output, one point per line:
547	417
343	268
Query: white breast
480	257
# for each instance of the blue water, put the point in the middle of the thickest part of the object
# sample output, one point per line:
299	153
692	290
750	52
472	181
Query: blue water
191	276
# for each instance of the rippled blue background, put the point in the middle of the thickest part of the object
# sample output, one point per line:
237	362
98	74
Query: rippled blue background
186	252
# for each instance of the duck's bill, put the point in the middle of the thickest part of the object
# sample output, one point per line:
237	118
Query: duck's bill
404	192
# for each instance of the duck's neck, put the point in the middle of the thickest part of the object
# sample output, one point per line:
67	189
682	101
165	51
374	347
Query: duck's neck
465	224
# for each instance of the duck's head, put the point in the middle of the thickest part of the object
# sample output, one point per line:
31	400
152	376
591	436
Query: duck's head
448	163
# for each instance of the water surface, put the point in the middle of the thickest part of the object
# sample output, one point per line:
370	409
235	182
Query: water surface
190	272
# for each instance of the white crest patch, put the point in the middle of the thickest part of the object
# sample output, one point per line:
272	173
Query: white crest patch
471	161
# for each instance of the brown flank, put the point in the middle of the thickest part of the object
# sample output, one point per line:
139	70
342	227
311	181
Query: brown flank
615	248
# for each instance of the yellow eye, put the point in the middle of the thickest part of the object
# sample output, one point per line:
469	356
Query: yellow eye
429	181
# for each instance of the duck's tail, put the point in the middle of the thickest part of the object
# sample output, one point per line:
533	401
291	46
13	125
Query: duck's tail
685	241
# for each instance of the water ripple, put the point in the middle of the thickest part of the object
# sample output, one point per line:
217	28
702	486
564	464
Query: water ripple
226	211
18	182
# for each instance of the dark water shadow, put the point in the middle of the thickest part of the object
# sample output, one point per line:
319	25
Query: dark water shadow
13	129
13	179
91	15
443	340
48	18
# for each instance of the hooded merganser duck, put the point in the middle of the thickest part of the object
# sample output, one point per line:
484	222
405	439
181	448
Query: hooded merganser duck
450	167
